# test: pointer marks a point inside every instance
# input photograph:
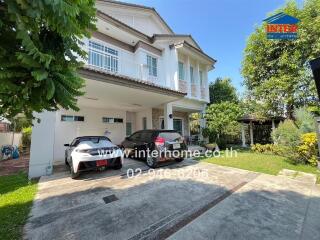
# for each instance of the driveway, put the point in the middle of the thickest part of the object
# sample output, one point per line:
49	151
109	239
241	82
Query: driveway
188	200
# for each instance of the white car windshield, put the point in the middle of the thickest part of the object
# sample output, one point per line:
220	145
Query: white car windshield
90	144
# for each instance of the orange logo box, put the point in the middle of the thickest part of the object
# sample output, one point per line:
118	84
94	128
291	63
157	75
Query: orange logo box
282	28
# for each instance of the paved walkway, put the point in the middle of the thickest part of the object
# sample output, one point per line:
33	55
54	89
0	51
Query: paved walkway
189	200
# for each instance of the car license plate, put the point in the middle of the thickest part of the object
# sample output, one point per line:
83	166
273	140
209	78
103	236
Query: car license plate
176	145
101	163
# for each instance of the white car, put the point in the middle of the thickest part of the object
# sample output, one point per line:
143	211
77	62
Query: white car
92	153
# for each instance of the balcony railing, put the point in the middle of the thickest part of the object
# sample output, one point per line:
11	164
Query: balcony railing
103	57
203	91
183	86
194	88
144	74
113	65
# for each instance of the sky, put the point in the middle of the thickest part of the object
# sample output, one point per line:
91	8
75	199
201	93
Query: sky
221	27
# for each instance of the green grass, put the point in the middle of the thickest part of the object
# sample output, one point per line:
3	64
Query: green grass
258	162
16	196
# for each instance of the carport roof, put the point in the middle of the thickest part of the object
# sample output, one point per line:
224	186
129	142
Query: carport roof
118	79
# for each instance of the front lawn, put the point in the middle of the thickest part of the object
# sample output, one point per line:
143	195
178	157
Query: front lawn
258	162
16	196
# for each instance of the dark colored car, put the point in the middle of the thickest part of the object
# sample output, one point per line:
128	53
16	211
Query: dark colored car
155	146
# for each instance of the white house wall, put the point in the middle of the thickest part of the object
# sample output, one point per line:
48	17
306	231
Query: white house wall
140	115
65	132
42	144
141	20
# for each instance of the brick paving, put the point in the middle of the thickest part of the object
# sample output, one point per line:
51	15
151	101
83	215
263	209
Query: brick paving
12	166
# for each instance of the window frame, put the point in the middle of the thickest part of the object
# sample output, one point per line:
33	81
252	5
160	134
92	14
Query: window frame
192	79
112	120
72	118
181	71
201	78
109	56
152	70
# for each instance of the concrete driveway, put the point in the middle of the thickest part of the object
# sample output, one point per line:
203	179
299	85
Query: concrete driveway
188	200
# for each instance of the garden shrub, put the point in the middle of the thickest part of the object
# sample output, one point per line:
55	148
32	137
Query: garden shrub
304	120
307	151
287	138
265	148
26	136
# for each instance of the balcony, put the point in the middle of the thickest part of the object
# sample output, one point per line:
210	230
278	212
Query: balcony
193	90
106	59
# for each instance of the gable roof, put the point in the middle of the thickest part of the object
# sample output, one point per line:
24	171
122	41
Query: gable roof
123	26
281	18
151	9
195	46
169	36
141	35
192	48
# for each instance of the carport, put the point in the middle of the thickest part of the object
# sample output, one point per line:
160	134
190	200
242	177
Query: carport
113	103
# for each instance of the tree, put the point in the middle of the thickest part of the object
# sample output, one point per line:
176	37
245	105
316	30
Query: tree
39	54
194	122
221	120
276	72
222	90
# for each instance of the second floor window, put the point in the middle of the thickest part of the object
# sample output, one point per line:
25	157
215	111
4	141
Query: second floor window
191	75
152	66
103	57
181	71
201	78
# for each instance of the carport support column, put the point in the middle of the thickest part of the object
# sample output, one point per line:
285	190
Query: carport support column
251	133
168	117
243	135
273	125
203	124
188	76
42	144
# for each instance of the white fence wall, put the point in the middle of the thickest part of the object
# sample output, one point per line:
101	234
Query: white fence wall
6	138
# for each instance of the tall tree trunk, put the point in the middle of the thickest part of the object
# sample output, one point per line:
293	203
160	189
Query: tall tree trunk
290	111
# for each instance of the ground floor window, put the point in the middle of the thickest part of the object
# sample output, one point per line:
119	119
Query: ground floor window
112	120
71	118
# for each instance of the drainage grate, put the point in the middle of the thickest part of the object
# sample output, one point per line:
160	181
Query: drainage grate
110	198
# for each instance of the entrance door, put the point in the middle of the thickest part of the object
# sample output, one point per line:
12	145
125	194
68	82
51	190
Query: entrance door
128	128
177	125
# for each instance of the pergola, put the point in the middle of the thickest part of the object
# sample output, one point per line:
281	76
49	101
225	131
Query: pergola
251	121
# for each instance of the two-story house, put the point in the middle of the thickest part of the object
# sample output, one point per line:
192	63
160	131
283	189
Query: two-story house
139	75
